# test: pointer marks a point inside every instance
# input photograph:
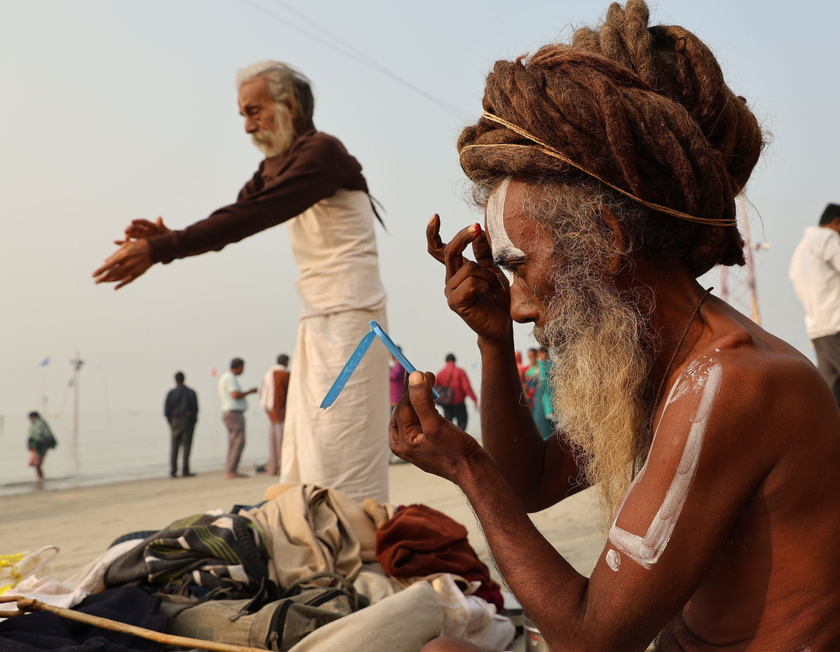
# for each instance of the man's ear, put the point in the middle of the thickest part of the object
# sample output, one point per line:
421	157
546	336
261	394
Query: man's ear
619	240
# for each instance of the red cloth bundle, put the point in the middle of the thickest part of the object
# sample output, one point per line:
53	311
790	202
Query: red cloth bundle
419	541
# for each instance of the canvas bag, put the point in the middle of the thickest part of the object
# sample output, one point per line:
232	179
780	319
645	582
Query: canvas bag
278	625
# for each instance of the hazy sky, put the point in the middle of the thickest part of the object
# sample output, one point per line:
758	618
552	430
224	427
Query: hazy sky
120	109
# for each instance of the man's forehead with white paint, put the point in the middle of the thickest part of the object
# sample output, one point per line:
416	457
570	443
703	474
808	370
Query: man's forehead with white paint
502	247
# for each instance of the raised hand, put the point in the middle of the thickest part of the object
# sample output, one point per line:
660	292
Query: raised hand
420	435
476	290
141	229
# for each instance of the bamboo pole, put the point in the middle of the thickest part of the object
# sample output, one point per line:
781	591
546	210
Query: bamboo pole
30	604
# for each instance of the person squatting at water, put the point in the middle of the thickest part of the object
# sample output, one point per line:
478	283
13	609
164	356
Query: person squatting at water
39	440
309	181
608	169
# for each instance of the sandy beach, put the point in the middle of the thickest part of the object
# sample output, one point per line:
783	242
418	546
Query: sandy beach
83	522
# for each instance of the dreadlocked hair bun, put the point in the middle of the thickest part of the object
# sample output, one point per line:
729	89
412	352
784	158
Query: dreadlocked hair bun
644	108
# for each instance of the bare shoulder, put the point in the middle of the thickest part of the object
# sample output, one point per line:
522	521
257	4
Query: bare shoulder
773	411
769	390
773	443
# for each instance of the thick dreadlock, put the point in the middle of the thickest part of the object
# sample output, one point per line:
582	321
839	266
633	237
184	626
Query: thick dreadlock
647	110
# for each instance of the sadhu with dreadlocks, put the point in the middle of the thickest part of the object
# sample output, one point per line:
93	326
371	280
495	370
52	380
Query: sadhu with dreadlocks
608	170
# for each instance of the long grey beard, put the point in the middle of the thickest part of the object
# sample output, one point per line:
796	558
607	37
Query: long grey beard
598	380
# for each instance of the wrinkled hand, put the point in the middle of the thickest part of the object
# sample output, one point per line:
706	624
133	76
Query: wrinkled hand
134	255
420	435
477	291
131	260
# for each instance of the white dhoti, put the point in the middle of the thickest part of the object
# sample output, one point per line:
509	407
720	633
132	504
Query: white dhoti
344	447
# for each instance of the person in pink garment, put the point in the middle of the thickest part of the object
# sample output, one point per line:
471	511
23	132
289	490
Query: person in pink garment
396	381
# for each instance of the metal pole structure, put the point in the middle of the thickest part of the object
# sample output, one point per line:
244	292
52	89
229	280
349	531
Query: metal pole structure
734	287
77	363
43	397
752	284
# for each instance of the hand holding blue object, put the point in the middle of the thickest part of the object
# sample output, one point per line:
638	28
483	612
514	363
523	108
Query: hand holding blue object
356	357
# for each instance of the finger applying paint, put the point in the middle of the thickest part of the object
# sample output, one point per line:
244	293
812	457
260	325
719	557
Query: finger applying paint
454	251
481	249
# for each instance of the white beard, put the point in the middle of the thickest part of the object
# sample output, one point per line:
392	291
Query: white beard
598	379
277	141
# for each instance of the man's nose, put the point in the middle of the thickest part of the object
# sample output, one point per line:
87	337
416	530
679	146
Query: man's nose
523	304
250	126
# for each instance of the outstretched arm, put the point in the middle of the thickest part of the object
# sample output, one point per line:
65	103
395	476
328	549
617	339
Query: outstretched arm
539	472
237	394
316	166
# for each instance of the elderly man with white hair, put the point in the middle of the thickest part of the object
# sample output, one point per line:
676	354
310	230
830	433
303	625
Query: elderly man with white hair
310	181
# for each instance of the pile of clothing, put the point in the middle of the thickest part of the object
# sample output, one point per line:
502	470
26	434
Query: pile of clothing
307	570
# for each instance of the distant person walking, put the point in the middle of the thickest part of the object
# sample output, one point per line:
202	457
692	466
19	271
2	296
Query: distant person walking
815	273
234	404
458	385
181	411
39	441
273	391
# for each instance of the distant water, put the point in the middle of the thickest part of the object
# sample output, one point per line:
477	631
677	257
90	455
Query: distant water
118	446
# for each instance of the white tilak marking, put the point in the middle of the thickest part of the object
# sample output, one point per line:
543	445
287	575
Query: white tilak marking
646	550
495	221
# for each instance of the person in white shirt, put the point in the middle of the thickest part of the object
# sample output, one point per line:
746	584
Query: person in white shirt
234	404
815	273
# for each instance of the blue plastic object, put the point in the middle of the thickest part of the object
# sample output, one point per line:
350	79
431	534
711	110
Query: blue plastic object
349	368
356	357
